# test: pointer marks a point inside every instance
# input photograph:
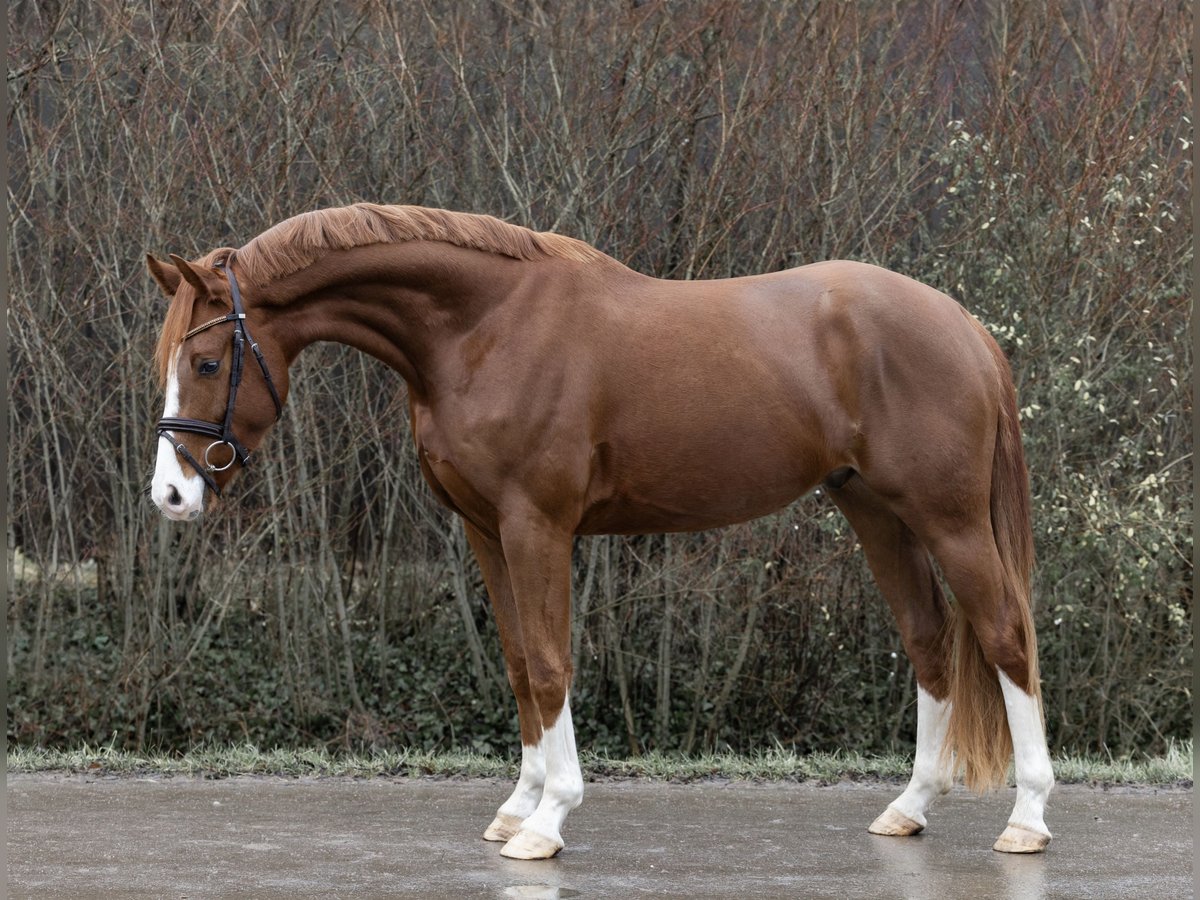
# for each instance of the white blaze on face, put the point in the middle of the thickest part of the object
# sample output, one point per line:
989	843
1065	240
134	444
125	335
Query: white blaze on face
179	496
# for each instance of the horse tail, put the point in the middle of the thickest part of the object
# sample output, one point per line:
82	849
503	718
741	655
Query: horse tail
978	731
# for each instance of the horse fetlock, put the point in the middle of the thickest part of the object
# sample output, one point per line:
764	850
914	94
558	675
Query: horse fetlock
569	792
521	804
1029	810
930	785
1036	786
914	802
527	793
562	793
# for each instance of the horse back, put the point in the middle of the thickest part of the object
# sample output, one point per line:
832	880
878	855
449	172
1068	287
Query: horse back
718	401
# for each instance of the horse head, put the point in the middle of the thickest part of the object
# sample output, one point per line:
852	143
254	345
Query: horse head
221	399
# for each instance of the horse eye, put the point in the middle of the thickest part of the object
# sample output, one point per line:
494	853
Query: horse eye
210	366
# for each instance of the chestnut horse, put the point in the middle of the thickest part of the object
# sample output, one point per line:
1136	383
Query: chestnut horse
555	392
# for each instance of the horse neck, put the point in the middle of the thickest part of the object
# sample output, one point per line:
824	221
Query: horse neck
405	304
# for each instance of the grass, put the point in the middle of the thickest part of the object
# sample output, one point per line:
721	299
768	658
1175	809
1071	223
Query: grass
1173	768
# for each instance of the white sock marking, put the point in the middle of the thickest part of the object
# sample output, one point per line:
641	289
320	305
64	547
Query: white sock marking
528	792
1031	757
931	776
563	790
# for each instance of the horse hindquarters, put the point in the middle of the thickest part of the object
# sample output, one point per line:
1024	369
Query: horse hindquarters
968	503
989	568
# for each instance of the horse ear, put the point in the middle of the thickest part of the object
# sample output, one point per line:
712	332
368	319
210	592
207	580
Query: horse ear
165	274
190	275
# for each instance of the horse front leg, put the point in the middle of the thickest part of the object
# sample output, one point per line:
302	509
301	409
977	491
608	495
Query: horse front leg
538	556
527	794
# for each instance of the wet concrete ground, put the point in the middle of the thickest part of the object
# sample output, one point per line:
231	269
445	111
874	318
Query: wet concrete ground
69	836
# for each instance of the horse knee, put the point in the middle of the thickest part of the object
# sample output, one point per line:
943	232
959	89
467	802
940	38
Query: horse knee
518	675
549	680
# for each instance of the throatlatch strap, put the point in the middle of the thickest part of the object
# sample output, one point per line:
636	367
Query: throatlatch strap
239	310
235	381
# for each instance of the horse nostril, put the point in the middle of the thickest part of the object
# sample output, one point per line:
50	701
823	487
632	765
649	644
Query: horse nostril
174	498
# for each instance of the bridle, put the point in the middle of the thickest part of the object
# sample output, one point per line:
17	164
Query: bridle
222	433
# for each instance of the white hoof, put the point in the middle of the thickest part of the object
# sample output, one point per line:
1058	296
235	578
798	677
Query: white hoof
894	824
502	828
1018	839
527	844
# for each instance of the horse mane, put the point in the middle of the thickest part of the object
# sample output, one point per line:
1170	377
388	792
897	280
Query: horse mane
298	242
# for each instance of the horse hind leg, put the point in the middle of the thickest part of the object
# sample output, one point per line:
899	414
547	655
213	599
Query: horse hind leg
998	682
904	574
1026	831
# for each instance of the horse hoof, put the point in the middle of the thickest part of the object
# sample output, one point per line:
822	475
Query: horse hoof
530	845
894	824
1018	839
502	828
